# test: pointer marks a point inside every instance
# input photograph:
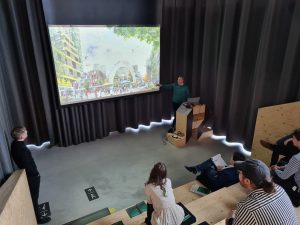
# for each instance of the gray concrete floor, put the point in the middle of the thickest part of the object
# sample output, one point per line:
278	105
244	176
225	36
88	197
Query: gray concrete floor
117	166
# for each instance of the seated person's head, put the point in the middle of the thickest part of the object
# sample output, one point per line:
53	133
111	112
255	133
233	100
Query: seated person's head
296	138
254	174
157	174
237	156
19	133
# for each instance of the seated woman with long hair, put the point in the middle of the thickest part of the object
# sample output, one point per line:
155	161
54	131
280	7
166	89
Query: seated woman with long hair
159	192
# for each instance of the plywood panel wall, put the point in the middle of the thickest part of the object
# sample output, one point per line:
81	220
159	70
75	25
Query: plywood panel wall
272	123
15	201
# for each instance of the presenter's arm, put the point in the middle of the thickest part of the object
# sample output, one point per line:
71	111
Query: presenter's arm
167	86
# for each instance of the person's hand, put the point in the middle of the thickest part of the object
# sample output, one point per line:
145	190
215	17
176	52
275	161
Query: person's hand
229	219
287	141
220	168
275	167
232	214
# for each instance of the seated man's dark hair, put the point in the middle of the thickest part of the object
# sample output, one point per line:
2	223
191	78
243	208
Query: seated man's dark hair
237	156
268	186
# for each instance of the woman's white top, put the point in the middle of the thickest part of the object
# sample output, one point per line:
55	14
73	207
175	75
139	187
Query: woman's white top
166	211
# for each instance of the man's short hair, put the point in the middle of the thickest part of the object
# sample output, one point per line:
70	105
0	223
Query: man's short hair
17	132
296	134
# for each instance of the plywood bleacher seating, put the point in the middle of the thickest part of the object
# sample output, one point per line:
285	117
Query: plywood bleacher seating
272	123
15	201
212	208
16	205
182	194
217	205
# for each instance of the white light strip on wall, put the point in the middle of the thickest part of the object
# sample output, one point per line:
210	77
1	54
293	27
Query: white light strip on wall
163	122
230	144
128	129
43	145
144	127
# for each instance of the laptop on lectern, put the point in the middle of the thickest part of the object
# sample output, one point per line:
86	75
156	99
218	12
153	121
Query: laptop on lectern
194	100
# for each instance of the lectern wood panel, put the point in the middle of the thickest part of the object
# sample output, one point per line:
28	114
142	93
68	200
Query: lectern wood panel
184	121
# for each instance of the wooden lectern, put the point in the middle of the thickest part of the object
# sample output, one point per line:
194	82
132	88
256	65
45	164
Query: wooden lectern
187	121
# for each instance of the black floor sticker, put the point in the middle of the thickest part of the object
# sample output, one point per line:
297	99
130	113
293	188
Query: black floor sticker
44	209
91	193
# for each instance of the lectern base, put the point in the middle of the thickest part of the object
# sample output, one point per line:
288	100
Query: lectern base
176	140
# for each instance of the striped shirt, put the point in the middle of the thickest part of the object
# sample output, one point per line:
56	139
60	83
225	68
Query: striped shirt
293	167
261	208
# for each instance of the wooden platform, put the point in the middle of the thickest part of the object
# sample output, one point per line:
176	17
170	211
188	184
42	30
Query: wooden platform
15	201
272	123
212	208
182	194
216	206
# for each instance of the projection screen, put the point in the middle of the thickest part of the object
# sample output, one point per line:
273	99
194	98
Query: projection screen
100	62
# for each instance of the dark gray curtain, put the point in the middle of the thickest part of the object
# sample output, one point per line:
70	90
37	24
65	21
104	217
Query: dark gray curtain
21	101
29	97
238	55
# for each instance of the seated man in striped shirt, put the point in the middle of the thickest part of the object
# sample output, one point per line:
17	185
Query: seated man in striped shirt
288	176
267	203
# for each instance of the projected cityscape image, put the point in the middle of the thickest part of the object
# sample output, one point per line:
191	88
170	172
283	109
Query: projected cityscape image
99	62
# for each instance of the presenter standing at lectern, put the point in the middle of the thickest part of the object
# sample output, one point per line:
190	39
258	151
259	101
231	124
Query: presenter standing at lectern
180	94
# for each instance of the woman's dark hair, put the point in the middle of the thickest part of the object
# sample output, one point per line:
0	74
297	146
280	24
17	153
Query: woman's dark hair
158	175
237	156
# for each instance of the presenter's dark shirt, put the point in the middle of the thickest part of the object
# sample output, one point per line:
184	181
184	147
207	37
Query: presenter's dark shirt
23	158
180	92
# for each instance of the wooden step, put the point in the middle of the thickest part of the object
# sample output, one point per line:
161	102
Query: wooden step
182	194
216	206
212	208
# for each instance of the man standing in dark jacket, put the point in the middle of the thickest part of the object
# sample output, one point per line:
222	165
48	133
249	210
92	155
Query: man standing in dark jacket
23	158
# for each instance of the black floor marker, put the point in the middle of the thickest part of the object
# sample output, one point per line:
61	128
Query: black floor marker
91	193
44	209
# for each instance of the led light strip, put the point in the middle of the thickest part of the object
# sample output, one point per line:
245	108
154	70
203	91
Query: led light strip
43	145
164	122
144	127
231	144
